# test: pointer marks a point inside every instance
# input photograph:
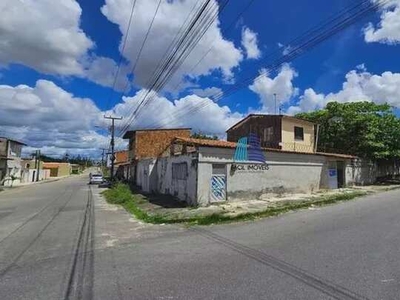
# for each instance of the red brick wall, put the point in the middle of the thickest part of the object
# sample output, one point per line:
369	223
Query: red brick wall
153	143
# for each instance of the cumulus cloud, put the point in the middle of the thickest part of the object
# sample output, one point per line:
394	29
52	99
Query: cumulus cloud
207	92
250	43
281	85
183	112
47	117
46	35
360	85
388	29
223	56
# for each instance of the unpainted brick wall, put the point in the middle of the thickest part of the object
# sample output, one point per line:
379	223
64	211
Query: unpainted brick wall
153	143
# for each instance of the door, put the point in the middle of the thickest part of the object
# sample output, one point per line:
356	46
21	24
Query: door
218	183
340	174
218	188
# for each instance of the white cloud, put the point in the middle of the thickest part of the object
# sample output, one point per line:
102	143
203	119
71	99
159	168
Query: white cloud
207	92
360	85
46	35
171	15
281	85
388	30
250	43
183	112
47	116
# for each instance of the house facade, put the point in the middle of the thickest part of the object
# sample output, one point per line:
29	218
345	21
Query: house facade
10	161
121	164
58	169
33	170
149	143
202	172
276	131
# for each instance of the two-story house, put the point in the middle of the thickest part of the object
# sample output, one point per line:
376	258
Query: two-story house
10	160
150	143
276	131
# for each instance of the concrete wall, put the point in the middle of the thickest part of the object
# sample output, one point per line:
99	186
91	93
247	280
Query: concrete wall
146	175
292	173
288	141
13	167
29	175
184	189
156	176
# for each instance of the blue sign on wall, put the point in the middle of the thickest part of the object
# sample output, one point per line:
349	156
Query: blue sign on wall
332	173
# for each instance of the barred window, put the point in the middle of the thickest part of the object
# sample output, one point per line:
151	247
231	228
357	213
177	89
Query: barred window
179	171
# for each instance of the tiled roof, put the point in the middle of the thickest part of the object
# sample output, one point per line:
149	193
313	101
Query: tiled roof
54	164
206	142
232	145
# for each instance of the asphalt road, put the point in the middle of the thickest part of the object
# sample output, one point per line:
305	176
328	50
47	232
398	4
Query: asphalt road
61	240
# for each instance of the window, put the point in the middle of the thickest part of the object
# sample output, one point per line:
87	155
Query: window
298	133
179	171
268	134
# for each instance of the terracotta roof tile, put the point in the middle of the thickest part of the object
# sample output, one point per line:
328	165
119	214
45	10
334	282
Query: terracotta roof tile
232	145
207	142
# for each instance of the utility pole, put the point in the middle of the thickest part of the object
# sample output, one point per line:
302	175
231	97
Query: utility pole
112	142
102	157
275	102
38	164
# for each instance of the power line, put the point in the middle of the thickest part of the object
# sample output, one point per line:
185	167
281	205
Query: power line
122	53
176	58
297	51
168	50
249	3
145	40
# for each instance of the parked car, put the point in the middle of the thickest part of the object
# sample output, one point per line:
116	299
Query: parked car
96	179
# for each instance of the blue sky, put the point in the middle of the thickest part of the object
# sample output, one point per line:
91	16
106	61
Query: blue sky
58	63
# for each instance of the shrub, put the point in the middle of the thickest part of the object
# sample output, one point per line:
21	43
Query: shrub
118	194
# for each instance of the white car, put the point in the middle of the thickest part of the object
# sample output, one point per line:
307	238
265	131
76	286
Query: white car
96	179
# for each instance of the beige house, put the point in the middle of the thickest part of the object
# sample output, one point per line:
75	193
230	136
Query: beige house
277	132
58	169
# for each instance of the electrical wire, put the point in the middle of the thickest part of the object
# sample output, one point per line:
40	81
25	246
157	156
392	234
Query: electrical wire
295	52
176	58
122	53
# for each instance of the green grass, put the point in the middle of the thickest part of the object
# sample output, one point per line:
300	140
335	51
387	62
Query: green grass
121	194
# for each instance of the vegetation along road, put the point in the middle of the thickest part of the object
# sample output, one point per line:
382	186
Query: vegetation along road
61	240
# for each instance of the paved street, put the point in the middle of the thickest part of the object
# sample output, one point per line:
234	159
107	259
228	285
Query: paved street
60	240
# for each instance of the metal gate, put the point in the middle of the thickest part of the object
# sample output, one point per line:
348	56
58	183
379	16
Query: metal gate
218	188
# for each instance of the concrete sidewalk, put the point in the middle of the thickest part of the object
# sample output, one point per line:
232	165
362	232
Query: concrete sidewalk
116	227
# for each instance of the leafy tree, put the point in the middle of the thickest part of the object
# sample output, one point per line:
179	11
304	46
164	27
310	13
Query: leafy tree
364	129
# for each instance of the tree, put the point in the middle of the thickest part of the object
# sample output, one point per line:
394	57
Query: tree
364	129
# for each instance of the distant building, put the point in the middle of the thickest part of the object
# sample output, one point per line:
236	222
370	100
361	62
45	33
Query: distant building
58	169
10	161
276	131
32	170
150	143
122	164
